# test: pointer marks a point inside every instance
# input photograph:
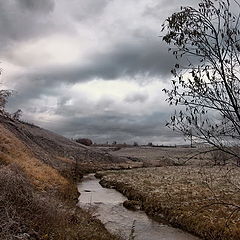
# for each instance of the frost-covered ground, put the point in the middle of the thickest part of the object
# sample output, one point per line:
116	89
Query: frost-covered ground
162	156
202	200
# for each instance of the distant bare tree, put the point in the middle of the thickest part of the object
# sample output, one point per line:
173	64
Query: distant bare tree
17	115
4	94
206	44
135	144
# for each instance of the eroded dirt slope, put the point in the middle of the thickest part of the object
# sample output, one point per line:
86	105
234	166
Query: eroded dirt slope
53	149
37	192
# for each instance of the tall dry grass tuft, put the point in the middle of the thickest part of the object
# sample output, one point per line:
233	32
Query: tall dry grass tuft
29	214
201	200
36	200
43	176
23	211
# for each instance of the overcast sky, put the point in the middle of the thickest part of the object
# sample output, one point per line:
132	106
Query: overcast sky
89	68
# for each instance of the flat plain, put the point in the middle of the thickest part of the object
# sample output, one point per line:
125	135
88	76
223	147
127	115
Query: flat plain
195	195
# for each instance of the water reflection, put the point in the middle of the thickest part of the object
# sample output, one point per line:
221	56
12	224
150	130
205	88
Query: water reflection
109	209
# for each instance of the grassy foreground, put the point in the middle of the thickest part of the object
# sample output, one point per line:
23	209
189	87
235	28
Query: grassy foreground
38	201
201	200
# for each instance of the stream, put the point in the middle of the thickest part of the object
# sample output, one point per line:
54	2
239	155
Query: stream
107	207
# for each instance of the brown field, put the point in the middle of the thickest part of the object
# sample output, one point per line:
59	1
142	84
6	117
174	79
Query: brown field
165	156
201	200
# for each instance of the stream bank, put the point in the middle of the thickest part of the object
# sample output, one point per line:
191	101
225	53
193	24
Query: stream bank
107	206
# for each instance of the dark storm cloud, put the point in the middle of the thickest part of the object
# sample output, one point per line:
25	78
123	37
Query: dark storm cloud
146	58
136	97
139	57
167	7
20	20
90	9
120	127
26	91
44	6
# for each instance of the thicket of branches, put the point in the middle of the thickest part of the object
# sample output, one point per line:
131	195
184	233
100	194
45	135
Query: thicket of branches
4	95
206	43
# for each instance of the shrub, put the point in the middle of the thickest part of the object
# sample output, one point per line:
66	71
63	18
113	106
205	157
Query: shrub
84	141
135	144
219	157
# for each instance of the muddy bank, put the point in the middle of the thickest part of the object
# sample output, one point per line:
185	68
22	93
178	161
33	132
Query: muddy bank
176	195
107	205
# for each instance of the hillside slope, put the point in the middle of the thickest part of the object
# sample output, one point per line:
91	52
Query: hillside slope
37	188
55	150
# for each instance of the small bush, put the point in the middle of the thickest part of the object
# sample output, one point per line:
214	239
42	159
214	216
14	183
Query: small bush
84	141
219	157
135	144
132	205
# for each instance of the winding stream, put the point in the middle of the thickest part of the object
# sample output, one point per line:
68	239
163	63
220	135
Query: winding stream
107	205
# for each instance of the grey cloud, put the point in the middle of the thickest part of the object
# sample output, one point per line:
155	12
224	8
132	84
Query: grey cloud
144	58
120	127
104	103
44	6
164	8
136	97
17	24
104	126
89	9
26	91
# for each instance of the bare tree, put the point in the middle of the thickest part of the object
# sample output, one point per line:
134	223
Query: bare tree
4	94
17	115
135	144
206	43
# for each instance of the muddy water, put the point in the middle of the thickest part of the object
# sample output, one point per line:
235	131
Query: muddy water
107	206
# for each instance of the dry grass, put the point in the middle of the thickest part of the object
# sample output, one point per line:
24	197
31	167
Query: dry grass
12	150
202	200
22	209
162	156
27	214
37	201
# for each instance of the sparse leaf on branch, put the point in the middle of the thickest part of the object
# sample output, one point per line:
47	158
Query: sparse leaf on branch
206	39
